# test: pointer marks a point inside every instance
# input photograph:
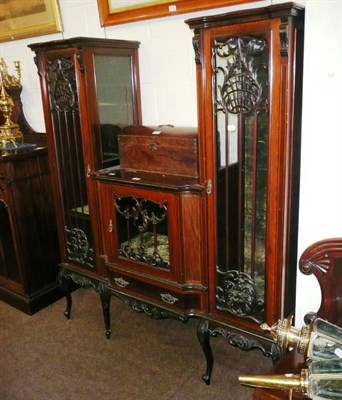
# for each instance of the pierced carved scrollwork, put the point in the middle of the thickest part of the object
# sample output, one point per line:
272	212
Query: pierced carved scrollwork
241	89
61	74
151	310
246	344
143	242
204	332
78	247
80	280
237	294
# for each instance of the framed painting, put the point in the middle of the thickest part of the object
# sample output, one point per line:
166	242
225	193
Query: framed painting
114	12
22	19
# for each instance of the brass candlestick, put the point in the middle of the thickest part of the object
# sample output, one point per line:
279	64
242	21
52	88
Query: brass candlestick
320	380
9	131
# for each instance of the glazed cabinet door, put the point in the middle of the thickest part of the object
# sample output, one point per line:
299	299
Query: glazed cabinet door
152	245
90	92
250	145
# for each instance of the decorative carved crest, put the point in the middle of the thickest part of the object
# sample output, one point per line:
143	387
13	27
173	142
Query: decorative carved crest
241	86
61	75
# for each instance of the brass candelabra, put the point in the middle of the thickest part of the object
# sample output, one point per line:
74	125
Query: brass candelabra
10	133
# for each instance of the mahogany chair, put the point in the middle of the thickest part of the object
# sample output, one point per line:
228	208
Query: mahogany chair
323	259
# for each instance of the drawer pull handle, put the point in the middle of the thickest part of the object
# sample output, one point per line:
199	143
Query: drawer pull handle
2	189
121	282
167	298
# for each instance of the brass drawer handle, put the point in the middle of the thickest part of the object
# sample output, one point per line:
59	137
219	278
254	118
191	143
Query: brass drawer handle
121	282
167	298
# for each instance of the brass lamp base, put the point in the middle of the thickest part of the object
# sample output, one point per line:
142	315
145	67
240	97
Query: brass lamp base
10	134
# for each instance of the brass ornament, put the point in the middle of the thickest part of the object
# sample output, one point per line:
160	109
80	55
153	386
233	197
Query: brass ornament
10	133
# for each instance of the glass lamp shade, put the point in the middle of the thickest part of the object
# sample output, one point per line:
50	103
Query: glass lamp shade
325	380
325	341
322	380
321	340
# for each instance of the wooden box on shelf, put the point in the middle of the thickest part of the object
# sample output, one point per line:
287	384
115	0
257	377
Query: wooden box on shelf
164	150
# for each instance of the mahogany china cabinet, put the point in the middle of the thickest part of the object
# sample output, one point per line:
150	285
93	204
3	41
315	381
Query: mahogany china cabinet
90	91
29	253
183	222
249	83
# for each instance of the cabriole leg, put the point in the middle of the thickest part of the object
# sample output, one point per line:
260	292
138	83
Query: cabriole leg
105	300
66	285
204	339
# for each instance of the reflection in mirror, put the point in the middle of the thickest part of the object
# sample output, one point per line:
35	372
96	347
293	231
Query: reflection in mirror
240	104
115	100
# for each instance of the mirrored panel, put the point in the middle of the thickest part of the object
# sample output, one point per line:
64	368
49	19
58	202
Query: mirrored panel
240	103
115	100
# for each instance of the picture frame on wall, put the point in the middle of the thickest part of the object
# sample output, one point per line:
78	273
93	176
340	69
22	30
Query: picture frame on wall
23	19
113	12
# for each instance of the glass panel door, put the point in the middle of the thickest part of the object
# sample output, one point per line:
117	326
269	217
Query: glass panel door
240	104
69	150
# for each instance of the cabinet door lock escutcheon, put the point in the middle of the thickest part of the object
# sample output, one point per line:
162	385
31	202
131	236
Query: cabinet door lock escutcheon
209	186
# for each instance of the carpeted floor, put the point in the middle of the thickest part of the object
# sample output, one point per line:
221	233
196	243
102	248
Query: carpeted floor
47	357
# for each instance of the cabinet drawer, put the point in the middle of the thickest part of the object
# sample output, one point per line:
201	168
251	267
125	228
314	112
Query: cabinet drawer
167	296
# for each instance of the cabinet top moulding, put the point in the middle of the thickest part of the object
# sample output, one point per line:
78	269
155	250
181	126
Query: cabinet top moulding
84	41
262	13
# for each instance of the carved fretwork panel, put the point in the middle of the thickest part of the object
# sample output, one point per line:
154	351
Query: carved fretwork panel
142	231
63	96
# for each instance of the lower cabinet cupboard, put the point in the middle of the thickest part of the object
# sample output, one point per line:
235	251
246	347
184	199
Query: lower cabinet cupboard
152	243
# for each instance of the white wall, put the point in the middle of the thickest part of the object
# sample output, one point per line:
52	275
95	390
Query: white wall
168	88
